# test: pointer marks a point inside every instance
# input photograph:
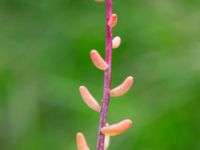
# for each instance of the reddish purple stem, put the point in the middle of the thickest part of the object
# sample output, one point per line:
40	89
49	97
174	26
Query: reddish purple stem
107	77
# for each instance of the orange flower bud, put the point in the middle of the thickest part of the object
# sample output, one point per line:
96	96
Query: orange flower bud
122	88
98	60
117	128
113	20
89	99
81	142
99	0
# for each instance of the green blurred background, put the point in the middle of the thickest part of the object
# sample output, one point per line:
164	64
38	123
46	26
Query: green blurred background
44	58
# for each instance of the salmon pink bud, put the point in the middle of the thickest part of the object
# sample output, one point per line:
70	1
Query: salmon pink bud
113	20
81	142
98	60
107	142
89	99
122	88
99	0
117	128
116	42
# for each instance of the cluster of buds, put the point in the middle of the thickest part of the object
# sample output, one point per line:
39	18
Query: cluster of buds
107	130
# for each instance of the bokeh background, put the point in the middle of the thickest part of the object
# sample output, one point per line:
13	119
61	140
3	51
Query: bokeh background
44	58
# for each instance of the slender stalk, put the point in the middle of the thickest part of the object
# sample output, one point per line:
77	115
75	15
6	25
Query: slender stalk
107	77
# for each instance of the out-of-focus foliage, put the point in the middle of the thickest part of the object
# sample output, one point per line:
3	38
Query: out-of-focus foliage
44	57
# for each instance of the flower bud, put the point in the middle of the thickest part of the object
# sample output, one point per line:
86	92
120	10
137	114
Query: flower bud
116	42
106	142
81	142
98	61
117	128
113	20
89	99
122	88
99	0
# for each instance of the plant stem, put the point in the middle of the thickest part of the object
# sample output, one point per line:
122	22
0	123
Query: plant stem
107	77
